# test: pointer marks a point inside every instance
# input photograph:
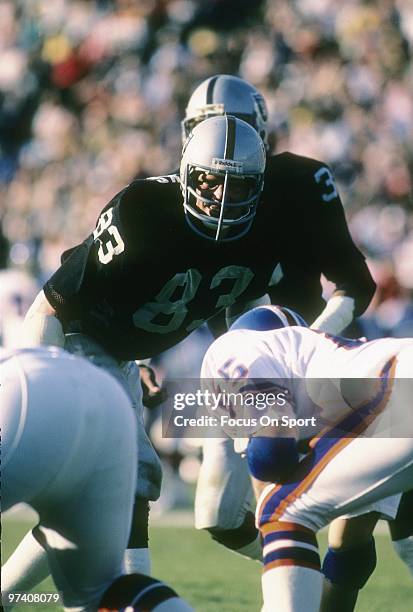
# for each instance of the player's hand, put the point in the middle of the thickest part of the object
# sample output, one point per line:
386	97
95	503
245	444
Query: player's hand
153	394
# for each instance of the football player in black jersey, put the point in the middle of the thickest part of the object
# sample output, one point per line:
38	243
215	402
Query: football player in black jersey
144	279
152	271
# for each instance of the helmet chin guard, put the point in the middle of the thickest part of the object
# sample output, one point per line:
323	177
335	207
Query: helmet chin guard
230	148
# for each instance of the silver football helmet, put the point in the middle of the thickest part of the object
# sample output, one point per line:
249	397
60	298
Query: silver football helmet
223	94
222	176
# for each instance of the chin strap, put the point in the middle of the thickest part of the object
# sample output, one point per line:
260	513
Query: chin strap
337	314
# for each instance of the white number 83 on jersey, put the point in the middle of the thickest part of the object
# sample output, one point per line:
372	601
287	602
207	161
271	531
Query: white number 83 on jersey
114	245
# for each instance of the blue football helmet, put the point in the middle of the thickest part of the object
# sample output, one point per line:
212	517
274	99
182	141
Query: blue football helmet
265	318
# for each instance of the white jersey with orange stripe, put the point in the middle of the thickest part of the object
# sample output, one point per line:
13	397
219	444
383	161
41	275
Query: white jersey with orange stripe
310	364
297	352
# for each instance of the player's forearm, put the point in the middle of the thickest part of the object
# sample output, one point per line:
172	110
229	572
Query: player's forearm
355	282
41	325
336	316
348	301
360	286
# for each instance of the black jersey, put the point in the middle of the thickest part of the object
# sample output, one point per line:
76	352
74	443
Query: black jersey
144	280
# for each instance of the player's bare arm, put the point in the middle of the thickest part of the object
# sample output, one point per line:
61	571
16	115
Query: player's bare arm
41	325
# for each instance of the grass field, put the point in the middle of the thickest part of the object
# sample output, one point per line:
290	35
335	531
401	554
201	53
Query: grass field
215	580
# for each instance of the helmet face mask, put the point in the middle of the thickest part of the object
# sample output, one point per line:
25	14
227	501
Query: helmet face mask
222	172
226	95
219	215
197	115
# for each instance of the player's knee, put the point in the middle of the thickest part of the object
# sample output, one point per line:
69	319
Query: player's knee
135	592
238	537
350	568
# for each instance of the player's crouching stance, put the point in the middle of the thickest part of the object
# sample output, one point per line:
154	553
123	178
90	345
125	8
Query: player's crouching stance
70	456
345	467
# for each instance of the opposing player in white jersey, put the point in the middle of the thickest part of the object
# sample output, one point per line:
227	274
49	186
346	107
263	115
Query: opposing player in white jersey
70	456
345	464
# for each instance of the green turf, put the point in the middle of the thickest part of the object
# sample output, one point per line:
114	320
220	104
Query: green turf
215	580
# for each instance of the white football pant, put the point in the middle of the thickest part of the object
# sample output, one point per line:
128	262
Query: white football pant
127	373
72	457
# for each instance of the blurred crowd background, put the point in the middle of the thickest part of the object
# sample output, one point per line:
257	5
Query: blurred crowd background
92	93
